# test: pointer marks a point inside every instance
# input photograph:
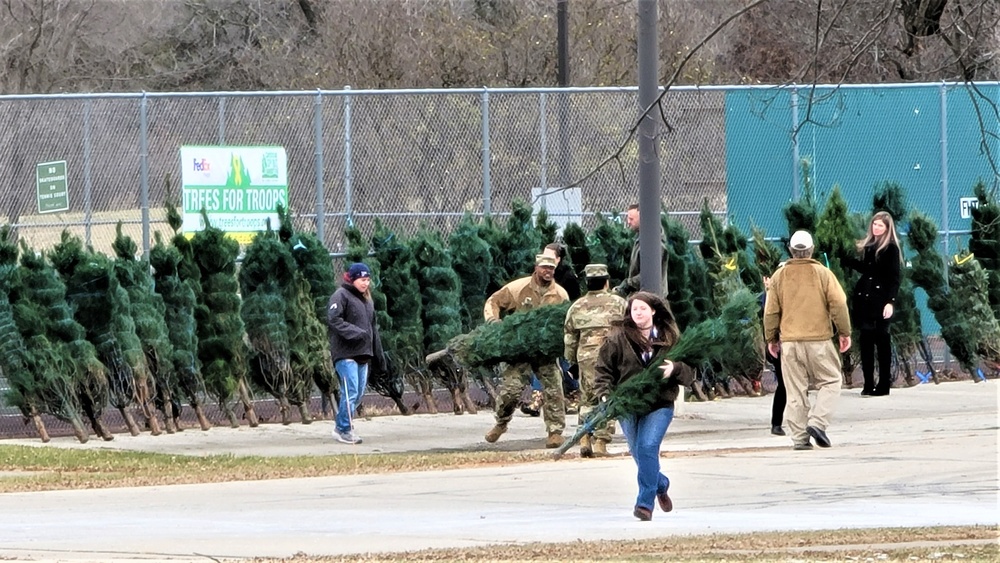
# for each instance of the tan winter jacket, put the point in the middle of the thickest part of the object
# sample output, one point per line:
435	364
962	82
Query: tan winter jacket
804	302
520	295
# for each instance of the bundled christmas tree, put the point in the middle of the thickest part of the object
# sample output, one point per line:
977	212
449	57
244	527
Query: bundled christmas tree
314	279
264	277
610	243
679	256
969	296
221	349
532	336
440	294
179	304
389	382
518	246
54	342
803	213
103	307
312	258
575	239
724	259
929	274
472	260
492	233
403	344
985	240
835	239
547	229
148	311
36	384
767	255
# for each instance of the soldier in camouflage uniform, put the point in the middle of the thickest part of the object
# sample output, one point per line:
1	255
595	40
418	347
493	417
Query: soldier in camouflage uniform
587	323
519	295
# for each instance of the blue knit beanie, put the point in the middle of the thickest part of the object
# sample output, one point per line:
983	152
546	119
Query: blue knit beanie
358	270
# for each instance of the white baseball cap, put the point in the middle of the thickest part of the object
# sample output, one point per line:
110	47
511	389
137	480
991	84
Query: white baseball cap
801	240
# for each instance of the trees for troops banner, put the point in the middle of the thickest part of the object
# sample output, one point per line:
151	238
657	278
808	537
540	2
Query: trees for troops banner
238	187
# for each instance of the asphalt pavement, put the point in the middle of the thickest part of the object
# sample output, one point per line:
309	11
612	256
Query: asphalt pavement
923	456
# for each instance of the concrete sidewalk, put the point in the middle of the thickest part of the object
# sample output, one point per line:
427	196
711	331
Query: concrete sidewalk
923	456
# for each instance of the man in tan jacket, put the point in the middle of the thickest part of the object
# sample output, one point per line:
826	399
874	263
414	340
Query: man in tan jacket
522	294
804	304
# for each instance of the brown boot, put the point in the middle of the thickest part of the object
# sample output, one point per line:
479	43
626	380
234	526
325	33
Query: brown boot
600	448
555	440
494	434
585	450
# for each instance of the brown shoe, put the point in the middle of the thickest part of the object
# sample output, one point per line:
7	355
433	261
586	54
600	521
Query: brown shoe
643	514
663	499
585	449
600	448
494	434
555	440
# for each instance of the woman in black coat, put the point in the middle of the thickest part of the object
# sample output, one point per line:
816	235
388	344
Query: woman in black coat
874	299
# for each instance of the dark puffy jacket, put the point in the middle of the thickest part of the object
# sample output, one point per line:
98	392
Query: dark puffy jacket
619	359
353	330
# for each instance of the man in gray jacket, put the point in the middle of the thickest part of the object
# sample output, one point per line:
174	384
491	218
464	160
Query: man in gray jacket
354	344
632	283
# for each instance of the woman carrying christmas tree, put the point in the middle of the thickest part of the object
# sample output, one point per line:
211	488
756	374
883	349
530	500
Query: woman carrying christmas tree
874	298
354	344
648	328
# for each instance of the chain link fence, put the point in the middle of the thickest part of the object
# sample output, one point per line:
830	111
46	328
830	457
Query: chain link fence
413	157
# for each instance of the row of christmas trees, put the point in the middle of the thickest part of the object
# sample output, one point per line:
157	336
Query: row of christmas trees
81	330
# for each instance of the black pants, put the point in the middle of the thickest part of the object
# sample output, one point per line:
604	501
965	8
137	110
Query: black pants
780	398
876	336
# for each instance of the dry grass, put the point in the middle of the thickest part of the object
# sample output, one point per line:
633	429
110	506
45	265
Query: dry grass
971	544
44	469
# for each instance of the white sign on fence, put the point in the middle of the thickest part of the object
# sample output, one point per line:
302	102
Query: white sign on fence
238	187
965	205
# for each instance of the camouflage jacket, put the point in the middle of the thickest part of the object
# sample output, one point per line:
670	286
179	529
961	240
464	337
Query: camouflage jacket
588	322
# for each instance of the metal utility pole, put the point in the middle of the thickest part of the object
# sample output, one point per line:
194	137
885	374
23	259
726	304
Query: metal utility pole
650	249
562	78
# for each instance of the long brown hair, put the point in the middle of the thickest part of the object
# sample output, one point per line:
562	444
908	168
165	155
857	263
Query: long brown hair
889	237
663	320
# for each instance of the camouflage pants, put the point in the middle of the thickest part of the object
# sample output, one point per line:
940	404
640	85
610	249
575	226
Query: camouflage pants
513	380
588	400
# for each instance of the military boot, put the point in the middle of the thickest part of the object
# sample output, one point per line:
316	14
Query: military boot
585	449
600	448
494	434
555	440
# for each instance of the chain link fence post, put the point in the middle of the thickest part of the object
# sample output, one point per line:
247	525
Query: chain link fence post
144	172
485	110
87	211
318	165
348	213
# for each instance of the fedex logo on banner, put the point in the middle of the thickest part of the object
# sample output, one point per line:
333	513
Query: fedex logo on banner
202	165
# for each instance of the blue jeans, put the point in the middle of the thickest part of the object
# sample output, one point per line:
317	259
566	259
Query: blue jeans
353	379
644	435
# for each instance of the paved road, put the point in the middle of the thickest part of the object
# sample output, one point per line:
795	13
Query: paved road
920	457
